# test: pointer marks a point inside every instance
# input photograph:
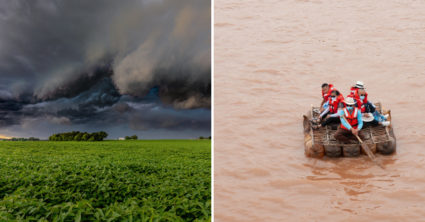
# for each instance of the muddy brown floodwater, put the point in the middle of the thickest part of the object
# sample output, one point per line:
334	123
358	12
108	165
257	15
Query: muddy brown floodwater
270	60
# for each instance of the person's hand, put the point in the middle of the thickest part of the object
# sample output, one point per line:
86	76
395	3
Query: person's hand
354	131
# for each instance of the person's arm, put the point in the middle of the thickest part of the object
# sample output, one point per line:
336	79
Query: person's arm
359	120
323	102
338	113
334	115
324	112
345	123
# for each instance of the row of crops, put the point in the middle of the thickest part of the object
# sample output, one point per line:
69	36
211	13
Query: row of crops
105	181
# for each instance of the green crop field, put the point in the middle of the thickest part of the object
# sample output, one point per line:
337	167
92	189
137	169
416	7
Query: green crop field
163	180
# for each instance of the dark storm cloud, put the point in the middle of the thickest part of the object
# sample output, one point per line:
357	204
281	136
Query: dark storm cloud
83	84
85	107
135	114
169	120
49	48
8	112
144	63
102	106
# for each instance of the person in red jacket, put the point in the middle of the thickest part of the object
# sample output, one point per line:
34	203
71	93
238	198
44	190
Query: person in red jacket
368	109
360	97
359	94
354	89
326	92
330	114
351	122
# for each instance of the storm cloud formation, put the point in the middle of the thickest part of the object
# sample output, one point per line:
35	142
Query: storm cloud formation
140	63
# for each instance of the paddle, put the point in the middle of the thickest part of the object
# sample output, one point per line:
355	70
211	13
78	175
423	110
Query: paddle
366	149
369	153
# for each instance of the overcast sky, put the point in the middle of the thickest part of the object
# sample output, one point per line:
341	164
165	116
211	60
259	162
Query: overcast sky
125	67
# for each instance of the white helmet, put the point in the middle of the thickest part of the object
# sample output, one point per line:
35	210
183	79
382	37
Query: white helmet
359	84
349	101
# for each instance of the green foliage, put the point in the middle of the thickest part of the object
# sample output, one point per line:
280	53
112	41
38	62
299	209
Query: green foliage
134	137
79	136
24	139
105	181
204	138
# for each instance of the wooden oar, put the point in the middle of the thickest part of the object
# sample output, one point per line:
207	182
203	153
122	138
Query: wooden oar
366	149
369	153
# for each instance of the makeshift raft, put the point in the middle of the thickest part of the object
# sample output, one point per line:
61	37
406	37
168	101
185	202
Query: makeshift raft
320	142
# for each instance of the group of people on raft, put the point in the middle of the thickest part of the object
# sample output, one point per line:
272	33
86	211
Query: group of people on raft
352	113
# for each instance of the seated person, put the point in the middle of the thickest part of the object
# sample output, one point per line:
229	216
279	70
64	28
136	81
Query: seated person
368	109
330	114
326	92
351	122
354	89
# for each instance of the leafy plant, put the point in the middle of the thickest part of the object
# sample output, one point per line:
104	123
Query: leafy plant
105	181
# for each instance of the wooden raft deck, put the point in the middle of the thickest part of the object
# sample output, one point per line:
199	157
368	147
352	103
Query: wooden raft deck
373	134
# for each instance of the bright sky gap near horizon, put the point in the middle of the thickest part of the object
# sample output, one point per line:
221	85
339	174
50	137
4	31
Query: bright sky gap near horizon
124	67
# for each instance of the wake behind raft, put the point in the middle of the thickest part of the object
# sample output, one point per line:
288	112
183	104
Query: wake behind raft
320	142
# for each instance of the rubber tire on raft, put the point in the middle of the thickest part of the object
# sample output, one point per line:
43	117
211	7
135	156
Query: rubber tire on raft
386	148
351	150
333	151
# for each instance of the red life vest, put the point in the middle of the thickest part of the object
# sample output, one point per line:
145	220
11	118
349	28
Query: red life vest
351	118
333	105
353	91
326	96
360	103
